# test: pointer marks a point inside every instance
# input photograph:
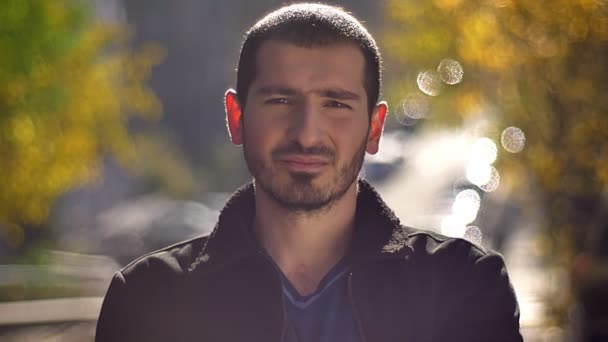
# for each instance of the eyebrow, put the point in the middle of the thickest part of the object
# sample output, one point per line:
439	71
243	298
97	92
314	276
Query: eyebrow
340	94
274	90
334	93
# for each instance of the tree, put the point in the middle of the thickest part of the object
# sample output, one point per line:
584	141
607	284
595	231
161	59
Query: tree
536	65
68	86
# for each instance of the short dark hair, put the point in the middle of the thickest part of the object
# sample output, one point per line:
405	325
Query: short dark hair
309	25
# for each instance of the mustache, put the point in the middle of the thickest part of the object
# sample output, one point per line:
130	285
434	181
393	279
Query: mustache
296	148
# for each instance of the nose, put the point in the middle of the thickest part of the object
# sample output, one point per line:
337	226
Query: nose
307	125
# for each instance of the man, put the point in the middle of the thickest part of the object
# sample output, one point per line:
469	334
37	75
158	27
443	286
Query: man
308	252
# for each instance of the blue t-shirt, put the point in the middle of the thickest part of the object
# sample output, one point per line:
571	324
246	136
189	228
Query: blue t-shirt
323	316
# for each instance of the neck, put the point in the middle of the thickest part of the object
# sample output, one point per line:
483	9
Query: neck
305	245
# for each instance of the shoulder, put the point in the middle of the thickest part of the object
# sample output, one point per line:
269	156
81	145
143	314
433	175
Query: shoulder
434	244
453	254
462	275
461	269
143	290
174	260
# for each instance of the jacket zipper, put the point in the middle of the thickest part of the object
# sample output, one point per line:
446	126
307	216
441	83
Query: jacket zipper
354	307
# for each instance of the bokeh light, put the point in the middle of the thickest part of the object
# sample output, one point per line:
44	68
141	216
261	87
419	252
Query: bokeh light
466	205
429	82
473	234
484	150
450	71
478	172
453	226
494	181
415	106
513	139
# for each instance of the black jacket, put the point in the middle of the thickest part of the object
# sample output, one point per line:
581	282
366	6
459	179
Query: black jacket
404	285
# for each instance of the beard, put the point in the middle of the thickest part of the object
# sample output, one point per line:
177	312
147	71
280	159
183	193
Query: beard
298	191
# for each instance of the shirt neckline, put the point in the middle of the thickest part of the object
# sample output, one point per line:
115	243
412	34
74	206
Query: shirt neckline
300	301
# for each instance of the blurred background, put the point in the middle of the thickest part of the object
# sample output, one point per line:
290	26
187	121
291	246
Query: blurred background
112	143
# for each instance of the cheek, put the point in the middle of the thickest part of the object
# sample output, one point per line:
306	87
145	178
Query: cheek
259	135
350	135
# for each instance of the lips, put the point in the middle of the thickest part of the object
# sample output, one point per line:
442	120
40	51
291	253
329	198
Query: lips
304	163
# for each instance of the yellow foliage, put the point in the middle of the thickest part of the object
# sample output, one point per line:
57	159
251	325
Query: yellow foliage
63	111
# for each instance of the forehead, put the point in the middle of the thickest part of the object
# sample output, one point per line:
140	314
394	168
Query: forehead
287	64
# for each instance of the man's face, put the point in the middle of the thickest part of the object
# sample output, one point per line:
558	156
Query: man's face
306	123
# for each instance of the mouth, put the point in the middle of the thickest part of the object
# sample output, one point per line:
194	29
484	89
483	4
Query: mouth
304	163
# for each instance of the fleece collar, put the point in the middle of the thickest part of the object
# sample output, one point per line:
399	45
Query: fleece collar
378	233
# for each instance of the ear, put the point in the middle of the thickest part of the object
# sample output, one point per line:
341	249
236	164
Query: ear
233	117
376	127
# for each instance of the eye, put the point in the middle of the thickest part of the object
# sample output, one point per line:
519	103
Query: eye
277	100
336	104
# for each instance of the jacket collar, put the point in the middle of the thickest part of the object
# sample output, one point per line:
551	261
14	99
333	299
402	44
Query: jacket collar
378	233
